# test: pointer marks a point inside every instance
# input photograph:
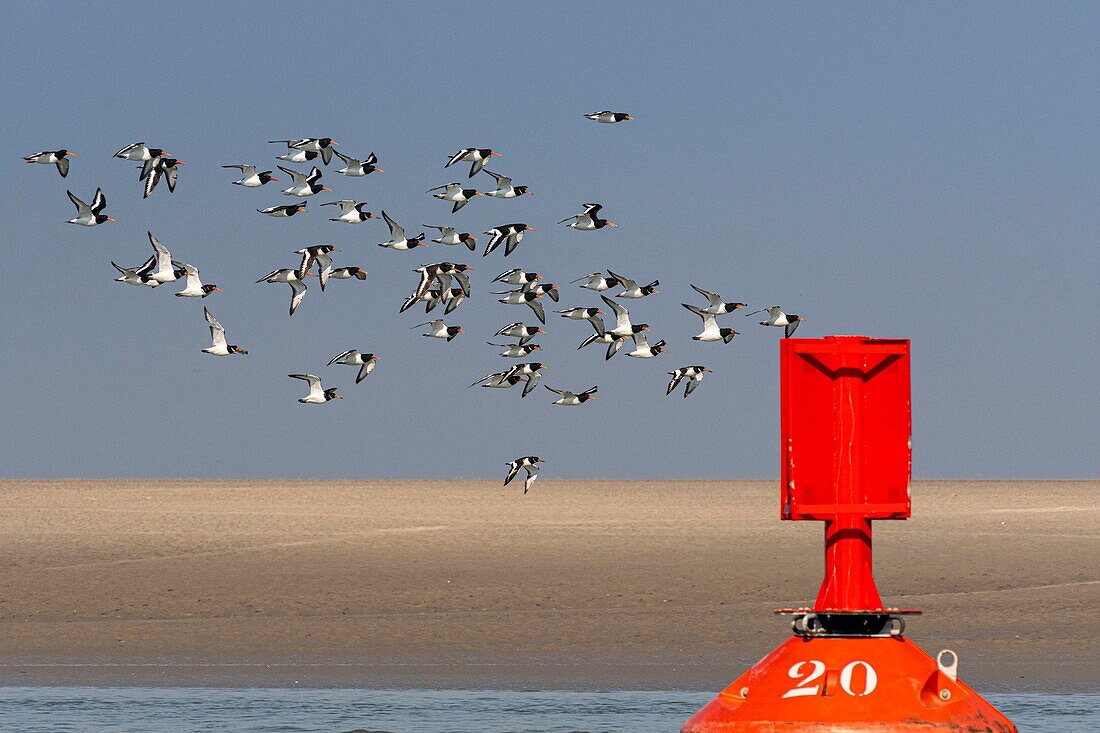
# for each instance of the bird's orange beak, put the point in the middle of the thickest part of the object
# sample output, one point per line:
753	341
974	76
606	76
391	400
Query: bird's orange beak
379	170
628	117
69	152
372	216
600	311
494	154
540	331
530	229
111	218
612	224
326	188
217	288
276	180
180	162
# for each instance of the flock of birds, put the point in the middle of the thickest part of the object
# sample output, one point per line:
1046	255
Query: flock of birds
444	285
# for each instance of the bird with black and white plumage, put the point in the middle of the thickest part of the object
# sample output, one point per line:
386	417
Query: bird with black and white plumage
541	289
715	304
139	152
623	327
441	272
510	235
352	357
290	277
440	330
318	253
318	395
355	168
90	215
527	298
284	211
631	289
588	220
572	399
693	375
592	315
398	239
597	282
505	189
194	287
608	117
163	269
137	275
476	157
347	273
451	236
776	317
531	370
59	158
304	184
644	350
516	276
456	194
528	463
450	297
613	341
250	178
154	169
499	380
299	156
351	212
711	330
521	331
516	351
322	145
219	346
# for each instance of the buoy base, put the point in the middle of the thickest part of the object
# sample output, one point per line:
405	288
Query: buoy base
848	685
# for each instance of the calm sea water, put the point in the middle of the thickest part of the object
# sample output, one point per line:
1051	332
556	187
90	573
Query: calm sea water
183	710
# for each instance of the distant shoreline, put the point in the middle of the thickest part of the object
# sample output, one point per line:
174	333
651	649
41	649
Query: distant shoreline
581	585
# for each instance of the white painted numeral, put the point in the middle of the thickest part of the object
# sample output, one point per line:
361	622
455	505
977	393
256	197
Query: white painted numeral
869	684
802	689
817	670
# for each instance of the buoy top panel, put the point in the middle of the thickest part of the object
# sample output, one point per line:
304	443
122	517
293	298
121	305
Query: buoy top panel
846	427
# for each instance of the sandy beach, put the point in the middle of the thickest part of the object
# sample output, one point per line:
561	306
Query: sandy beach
578	585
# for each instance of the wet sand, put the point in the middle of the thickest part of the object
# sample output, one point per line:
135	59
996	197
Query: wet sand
578	585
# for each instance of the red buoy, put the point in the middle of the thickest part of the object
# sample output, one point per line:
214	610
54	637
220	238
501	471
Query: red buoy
846	461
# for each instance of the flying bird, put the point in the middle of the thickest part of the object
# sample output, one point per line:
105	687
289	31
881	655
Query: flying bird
90	216
505	189
299	156
304	184
614	342
530	464
623	326
592	315
281	211
711	331
456	194
346	273
589	219
517	276
322	145
499	380
351	357
608	117
351	212
572	399
516	351
440	330
290	277
53	157
715	304
355	168
541	289
776	317
398	240
317	395
219	347
693	375
527	298
476	157
596	281
531	370
318	253
519	331
451	236
154	169
508	234
631	289
164	269
193	287
643	349
249	177
139	153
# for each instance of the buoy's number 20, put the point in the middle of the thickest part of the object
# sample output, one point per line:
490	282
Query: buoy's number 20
807	677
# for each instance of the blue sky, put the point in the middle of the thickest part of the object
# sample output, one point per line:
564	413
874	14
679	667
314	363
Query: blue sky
901	170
